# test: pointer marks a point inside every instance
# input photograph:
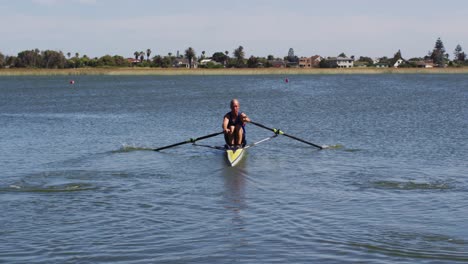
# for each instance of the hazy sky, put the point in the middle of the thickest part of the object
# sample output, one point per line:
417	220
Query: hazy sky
325	27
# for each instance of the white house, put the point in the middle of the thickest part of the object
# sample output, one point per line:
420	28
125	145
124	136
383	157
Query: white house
398	63
342	62
184	63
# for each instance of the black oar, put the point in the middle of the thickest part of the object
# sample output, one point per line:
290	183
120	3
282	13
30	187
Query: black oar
192	140
279	132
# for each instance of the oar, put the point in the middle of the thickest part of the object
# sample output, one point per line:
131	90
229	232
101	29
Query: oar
192	140
277	131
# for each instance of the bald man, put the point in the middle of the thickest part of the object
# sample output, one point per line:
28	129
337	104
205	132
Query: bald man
233	125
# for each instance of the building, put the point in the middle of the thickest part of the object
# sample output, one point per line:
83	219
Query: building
133	61
341	62
398	63
205	62
309	62
425	64
184	63
277	63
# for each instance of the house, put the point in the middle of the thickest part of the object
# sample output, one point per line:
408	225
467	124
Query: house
184	63
425	64
205	61
208	62
361	64
133	61
277	63
309	62
381	65
341	62
398	63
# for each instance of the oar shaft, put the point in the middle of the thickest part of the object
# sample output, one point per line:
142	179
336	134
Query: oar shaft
303	141
192	140
173	145
277	131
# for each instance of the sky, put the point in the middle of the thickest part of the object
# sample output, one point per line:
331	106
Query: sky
372	28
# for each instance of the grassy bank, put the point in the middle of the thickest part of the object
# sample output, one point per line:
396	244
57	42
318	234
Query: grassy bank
259	71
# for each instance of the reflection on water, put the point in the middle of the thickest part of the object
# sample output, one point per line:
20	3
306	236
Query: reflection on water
234	195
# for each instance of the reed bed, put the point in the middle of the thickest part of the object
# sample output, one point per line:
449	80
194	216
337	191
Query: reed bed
257	71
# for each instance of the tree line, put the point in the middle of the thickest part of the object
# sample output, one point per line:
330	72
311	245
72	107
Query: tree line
50	59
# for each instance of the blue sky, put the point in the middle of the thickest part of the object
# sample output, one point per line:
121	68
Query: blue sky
325	27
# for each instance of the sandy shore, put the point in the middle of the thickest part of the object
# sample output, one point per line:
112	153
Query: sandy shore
261	71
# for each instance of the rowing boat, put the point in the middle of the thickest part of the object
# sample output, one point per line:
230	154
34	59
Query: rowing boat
234	155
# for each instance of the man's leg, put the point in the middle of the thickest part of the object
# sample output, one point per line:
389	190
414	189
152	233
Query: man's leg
239	135
229	137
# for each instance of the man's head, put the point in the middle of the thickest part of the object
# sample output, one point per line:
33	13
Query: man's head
235	106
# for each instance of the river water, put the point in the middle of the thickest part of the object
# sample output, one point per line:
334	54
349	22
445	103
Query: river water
79	182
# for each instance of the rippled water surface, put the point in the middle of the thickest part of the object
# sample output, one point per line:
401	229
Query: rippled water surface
79	182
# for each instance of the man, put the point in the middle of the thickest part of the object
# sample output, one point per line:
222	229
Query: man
233	125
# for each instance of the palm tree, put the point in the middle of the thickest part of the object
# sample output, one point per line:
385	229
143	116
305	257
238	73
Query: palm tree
226	58
190	54
142	56
69	55
77	55
136	53
148	53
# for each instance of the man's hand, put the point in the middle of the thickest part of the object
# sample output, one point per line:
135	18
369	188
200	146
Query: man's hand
245	118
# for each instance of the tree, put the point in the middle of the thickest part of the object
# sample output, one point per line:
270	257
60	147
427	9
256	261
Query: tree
252	62
271	57
367	60
459	55
291	54
53	60
342	55
325	63
2	60
190	55
438	53
159	61
396	57
11	61
120	61
142	56
68	55
239	54
148	53
106	60
136	54
219	57
29	59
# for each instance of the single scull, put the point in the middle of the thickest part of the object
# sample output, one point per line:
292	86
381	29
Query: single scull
235	154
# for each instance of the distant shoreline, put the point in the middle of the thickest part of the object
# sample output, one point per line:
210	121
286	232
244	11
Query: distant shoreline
231	71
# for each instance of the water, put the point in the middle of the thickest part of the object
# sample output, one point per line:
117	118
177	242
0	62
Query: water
80	184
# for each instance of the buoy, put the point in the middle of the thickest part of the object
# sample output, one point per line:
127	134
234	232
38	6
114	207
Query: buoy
72	82
286	80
